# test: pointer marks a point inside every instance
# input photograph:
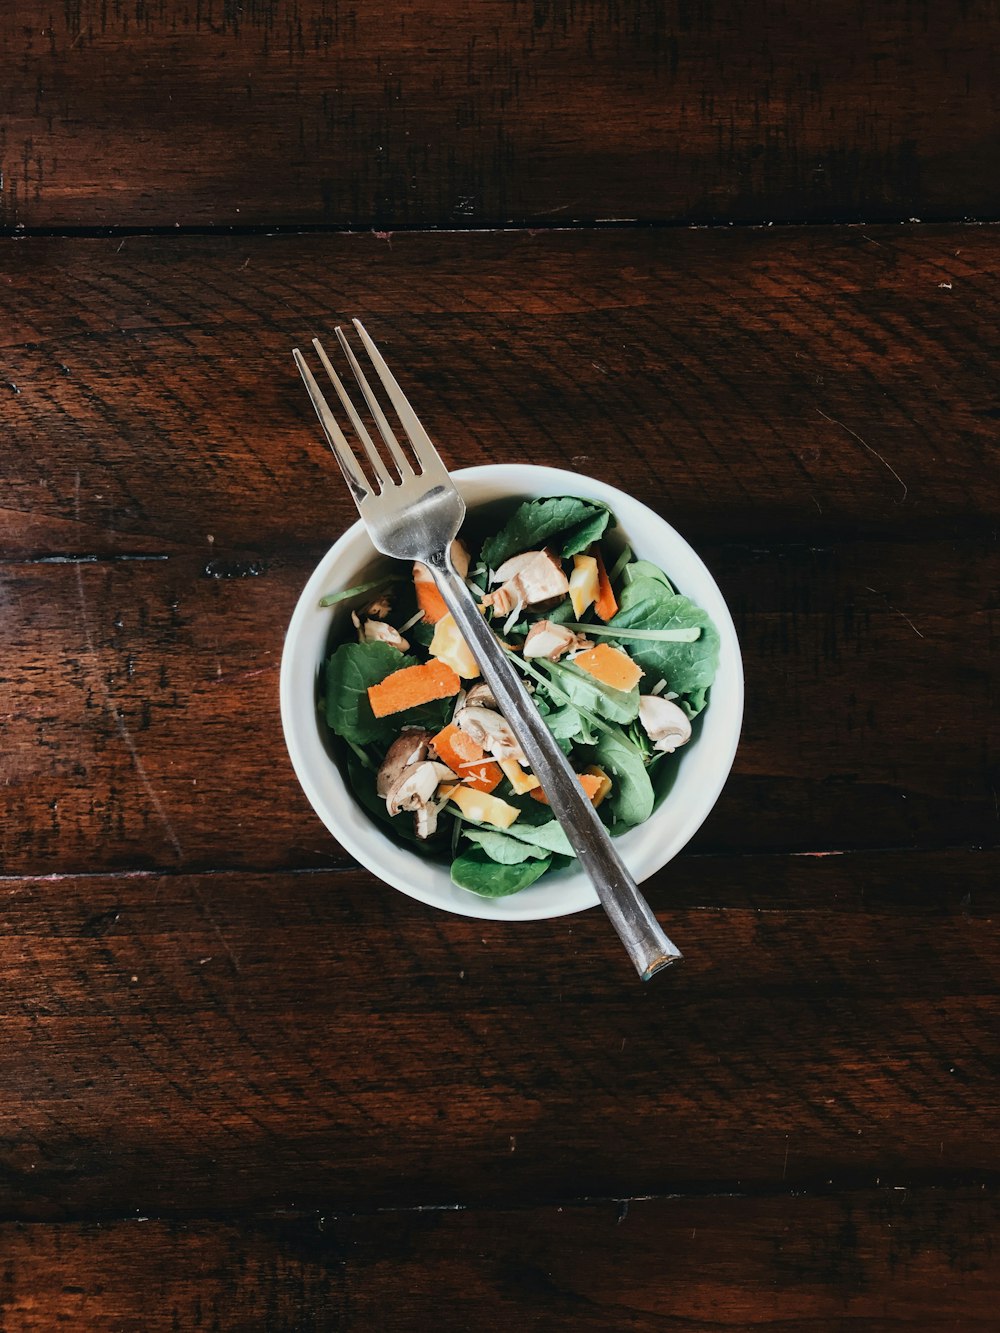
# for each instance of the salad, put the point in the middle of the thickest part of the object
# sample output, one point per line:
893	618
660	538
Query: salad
618	662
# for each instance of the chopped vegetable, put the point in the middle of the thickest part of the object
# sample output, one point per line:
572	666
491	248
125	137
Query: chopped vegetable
605	604
596	771
412	686
429	754
482	808
448	646
583	583
521	781
430	601
466	758
595	787
610	666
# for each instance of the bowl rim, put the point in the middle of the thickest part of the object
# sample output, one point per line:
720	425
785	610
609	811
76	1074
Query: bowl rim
354	829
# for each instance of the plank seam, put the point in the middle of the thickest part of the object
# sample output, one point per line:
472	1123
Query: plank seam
988	1185
22	232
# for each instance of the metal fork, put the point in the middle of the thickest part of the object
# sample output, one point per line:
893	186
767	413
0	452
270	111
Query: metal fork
416	516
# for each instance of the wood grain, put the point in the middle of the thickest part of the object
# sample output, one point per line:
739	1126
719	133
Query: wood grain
243	1085
873	1259
312	112
762	385
217	1044
141	725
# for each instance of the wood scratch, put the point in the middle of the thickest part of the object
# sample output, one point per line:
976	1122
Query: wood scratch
866	445
117	715
895	610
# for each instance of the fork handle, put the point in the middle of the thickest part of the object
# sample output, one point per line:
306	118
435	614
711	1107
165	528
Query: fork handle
630	914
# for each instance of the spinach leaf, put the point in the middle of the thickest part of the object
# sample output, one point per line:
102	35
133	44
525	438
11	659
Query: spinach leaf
631	798
349	672
568	725
645	569
551	836
422	632
478	873
591	694
688	668
505	851
533	522
586	533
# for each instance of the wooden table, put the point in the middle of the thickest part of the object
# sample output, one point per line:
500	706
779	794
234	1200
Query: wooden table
736	258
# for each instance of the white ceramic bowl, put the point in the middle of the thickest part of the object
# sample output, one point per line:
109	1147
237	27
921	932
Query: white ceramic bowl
704	763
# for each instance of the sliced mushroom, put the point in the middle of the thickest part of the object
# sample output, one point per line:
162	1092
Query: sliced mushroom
490	729
407	749
532	578
377	631
666	725
546	639
425	818
417	785
380	608
478	696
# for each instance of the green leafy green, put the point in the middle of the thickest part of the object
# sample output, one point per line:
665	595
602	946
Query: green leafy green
668	636
588	692
687	635
535	521
619	564
631	798
551	836
568	724
505	851
349	672
645	569
688	668
479	873
586	533
359	590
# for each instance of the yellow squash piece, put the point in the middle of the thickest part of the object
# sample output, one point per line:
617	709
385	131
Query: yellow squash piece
480	807
521	782
584	583
448	646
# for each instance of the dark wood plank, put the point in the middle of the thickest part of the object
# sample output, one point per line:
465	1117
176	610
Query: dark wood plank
800	384
877	1260
184	1045
306	111
141	720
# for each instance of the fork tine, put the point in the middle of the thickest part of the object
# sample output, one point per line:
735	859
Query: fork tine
374	457
421	442
385	430
341	449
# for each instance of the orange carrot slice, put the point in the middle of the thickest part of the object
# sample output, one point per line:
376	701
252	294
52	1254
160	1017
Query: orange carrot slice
610	666
466	758
429	599
606	605
590	783
411	686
